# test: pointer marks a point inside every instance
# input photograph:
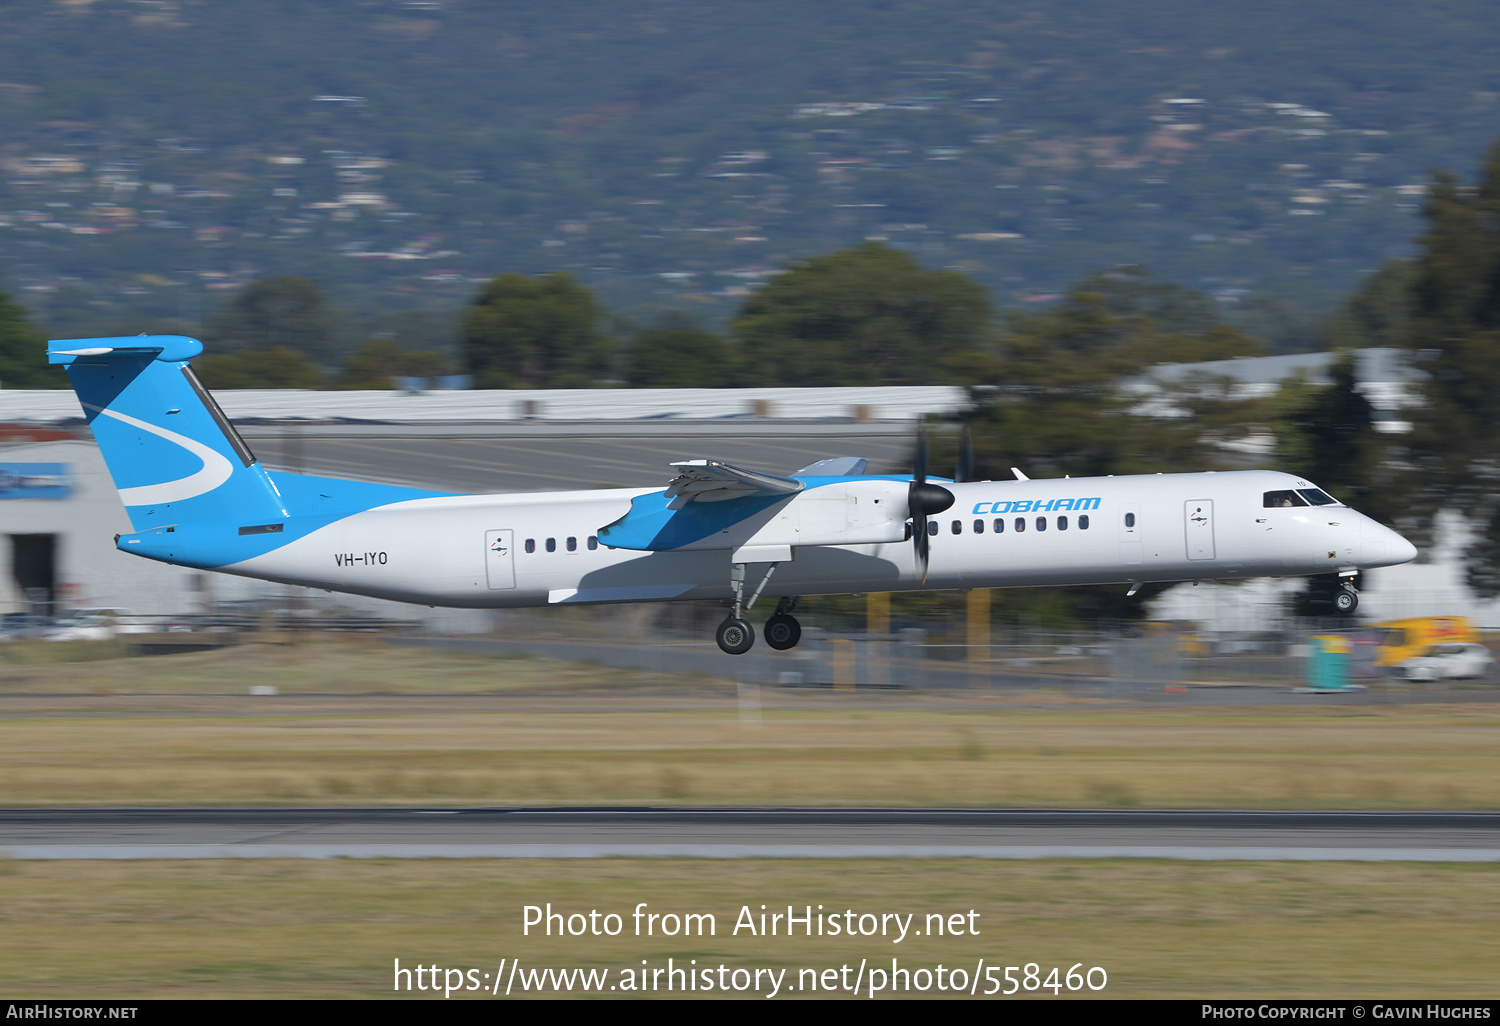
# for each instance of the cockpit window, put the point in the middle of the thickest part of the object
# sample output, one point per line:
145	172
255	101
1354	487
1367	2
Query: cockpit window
1274	500
1317	496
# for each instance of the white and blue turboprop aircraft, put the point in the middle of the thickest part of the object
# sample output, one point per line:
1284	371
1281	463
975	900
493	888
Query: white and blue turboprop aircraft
198	497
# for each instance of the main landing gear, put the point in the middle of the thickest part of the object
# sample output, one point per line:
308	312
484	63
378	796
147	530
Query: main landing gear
735	636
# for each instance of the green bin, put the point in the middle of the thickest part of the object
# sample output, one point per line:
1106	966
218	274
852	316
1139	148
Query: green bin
1328	659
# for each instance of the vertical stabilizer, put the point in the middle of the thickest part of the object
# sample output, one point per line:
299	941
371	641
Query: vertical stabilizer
174	456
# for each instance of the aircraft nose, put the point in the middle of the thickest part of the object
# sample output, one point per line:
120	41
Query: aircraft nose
1380	546
1399	549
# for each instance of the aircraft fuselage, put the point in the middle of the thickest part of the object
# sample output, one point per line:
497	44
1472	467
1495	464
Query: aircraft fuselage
537	549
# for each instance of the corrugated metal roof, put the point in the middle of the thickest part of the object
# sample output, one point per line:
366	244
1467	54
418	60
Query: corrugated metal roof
563	404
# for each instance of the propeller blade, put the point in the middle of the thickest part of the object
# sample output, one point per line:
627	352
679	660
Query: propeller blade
965	469
914	508
924	550
923	500
919	461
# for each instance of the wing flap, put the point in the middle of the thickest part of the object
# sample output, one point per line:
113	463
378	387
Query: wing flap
712	481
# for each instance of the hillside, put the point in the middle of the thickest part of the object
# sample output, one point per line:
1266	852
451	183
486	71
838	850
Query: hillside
156	154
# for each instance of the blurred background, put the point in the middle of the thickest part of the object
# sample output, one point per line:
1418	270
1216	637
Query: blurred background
435	244
515	247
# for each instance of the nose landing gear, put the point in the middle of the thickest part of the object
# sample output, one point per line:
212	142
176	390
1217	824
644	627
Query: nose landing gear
1346	599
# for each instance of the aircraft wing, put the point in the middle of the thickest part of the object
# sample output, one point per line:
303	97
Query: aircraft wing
712	505
712	481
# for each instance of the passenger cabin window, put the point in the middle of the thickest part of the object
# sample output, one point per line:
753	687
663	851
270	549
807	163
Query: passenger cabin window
958	527
593	543
551	544
1276	500
572	544
979	527
999	526
932	527
1041	523
1129	519
530	544
1062	523
1020	524
1083	521
1317	496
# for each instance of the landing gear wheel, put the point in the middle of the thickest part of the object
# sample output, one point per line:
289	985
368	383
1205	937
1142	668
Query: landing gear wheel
735	636
782	631
1346	601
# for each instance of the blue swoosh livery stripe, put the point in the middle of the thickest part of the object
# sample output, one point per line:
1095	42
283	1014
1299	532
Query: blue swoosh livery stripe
651	527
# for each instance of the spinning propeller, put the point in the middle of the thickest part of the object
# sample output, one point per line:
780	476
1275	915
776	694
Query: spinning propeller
924	500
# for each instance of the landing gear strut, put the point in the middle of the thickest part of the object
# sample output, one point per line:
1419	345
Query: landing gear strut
735	636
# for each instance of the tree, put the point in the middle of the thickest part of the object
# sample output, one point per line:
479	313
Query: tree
1454	331
1379	313
285	311
375	364
23	351
676	353
1064	393
1328	436
534	333
277	367
865	316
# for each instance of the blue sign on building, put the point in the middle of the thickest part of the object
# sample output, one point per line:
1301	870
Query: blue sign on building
35	481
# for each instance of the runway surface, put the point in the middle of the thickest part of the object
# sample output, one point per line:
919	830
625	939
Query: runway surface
747	833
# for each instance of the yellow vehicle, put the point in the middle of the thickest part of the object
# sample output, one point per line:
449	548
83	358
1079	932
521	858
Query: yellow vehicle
1405	639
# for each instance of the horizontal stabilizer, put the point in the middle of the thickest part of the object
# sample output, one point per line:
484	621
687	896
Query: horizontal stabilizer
166	348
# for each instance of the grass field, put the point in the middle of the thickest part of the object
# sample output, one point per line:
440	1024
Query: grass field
371	724
332	929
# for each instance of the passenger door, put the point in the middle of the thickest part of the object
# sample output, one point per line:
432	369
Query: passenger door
1198	522
500	559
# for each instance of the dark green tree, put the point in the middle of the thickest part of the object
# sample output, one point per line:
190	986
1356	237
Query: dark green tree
865	316
1378	315
1068	393
541	332
1454	331
285	311
676	353
377	362
277	367
23	351
1327	435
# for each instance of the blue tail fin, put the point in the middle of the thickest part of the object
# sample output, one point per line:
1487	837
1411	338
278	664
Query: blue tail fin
173	454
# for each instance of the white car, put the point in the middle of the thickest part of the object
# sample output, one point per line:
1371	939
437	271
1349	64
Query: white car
79	628
1448	661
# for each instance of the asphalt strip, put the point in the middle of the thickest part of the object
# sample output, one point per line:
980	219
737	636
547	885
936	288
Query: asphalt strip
739	851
